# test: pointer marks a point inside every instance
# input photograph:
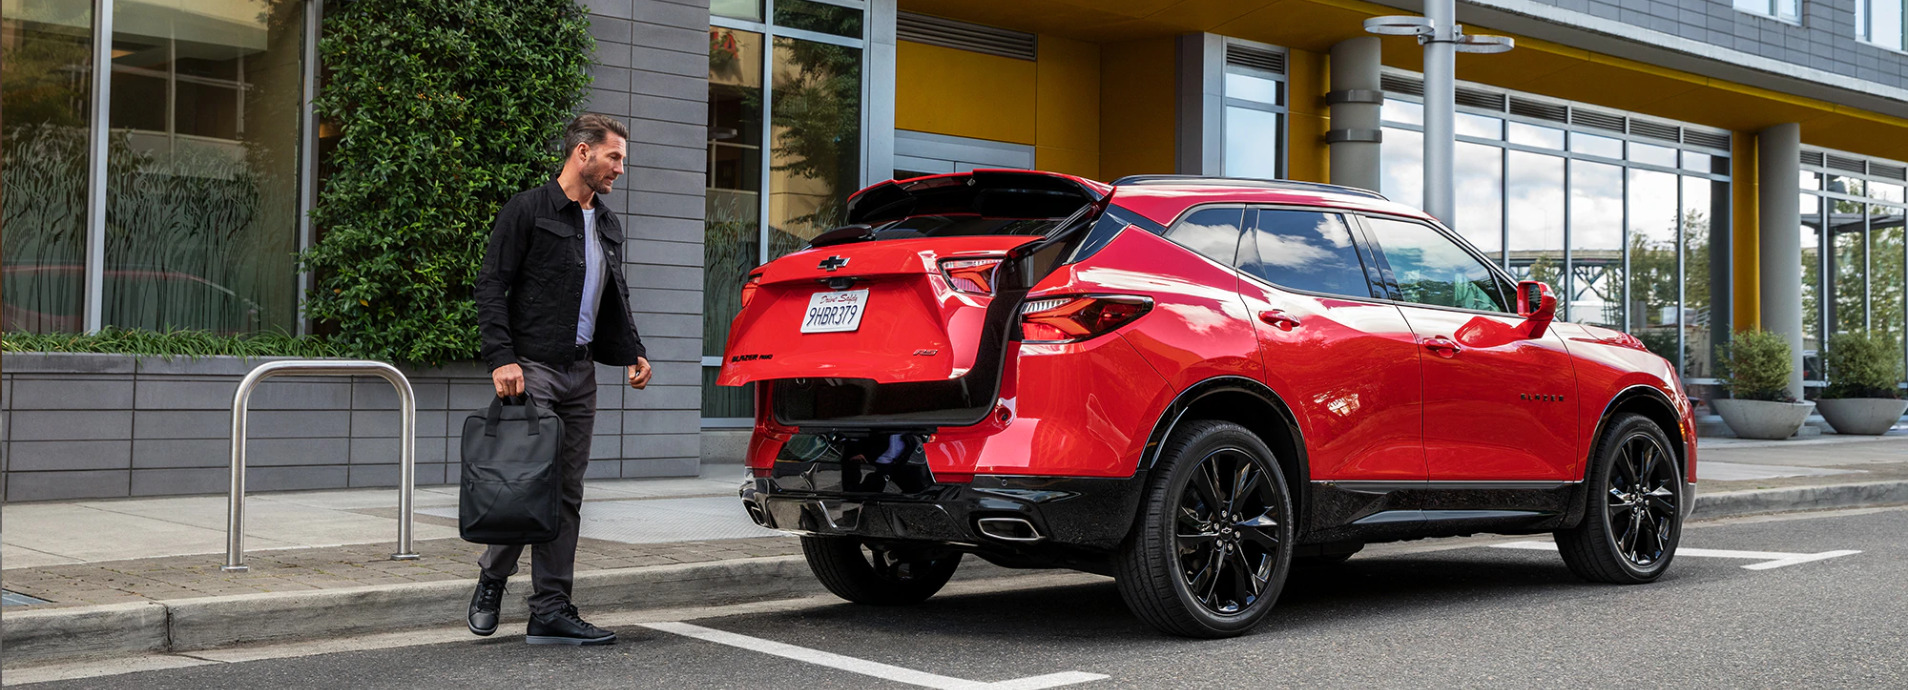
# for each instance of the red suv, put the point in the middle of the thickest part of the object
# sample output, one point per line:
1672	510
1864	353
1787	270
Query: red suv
1189	384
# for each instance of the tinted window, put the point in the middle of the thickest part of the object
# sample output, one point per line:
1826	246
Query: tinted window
1304	250
1432	269
1213	232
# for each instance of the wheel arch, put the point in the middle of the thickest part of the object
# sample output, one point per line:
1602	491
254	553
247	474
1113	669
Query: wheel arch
1643	399
1250	404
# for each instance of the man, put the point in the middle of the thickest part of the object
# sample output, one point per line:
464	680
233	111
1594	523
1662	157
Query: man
551	303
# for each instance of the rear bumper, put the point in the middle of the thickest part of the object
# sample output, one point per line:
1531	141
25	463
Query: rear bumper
991	514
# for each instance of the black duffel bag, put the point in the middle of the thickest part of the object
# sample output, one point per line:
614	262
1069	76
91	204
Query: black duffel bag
511	491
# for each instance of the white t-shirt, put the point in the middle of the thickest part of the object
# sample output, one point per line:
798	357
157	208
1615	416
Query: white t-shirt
593	276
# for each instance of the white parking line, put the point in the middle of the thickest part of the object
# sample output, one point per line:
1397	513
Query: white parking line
1770	559
865	667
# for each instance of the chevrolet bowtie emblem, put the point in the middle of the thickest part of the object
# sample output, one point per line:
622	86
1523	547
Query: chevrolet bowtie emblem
831	263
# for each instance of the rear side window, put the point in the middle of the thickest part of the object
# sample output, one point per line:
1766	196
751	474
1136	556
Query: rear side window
1432	269
1304	250
1213	232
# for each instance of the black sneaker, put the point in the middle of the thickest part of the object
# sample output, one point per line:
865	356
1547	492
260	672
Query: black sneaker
563	626
484	605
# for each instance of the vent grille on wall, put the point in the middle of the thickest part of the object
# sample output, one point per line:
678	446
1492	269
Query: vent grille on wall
1709	139
980	38
1393	83
1480	99
1812	158
1854	165
1539	109
1654	130
1255	57
1590	118
1893	172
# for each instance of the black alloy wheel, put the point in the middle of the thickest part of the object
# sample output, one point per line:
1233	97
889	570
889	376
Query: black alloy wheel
1228	535
1634	516
1214	538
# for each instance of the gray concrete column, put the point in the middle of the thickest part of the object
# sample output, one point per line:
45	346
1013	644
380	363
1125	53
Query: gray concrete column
1357	102
1778	167
1200	126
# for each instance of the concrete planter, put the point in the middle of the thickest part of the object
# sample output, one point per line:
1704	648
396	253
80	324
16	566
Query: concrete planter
1862	416
1762	419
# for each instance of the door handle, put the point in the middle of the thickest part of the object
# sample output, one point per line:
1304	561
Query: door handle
1442	346
1280	319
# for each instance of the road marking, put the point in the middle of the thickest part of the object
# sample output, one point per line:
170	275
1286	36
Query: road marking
1770	559
865	667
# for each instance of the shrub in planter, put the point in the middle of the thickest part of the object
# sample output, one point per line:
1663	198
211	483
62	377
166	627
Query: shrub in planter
1756	367
1862	397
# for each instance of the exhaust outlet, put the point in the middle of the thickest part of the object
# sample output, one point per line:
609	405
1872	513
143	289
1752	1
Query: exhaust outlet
755	513
1008	529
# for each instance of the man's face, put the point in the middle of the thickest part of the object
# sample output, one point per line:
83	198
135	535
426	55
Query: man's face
601	164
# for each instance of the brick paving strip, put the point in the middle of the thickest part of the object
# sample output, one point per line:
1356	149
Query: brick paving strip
358	565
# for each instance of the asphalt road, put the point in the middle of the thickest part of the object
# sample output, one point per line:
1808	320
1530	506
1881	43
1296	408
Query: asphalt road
1463	615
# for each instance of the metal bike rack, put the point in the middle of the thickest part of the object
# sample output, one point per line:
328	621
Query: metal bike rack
241	401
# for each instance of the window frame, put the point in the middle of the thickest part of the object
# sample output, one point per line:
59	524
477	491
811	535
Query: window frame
1773	12
1865	27
1361	249
1395	295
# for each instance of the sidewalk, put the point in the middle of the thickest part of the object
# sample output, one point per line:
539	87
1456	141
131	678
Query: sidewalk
320	561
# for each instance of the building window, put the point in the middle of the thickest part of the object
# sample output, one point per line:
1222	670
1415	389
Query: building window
202	158
784	152
1785	10
1614	211
1255	111
1852	252
1881	22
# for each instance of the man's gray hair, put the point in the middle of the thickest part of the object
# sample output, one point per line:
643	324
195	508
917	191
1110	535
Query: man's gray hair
592	129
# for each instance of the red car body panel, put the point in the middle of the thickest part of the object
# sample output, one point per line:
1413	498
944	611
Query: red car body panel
1369	400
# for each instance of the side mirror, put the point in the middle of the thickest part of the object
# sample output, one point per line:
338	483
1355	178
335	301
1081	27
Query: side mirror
1538	305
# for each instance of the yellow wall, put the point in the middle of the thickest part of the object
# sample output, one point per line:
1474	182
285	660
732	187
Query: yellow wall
1052	104
1307	81
1137	108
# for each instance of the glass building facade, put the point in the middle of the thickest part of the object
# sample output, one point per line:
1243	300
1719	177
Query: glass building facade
1622	215
190	202
1852	252
784	152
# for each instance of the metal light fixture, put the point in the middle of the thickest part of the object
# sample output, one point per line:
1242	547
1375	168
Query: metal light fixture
1443	38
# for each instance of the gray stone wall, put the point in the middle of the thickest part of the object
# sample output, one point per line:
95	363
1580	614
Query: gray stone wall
653	73
1824	40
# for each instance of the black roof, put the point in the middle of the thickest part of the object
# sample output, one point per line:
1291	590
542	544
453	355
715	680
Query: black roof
1293	185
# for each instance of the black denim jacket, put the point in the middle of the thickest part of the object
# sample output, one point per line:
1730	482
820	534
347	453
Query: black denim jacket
531	284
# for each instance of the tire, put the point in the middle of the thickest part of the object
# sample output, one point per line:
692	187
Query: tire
877	577
1176	580
1635	496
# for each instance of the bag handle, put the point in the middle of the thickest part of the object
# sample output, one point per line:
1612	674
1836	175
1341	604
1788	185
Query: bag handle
494	415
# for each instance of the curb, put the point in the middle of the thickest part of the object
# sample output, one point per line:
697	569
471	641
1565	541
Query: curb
32	637
64	634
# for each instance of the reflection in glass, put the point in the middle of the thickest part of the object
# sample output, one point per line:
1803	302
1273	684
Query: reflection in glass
1653	155
1403	111
1533	135
1886	274
1591	144
1252	143
1254	88
1596	244
1303	250
1847	185
1705	211
818	17
1480	198
1811	239
1848	266
46	95
739	9
1431	269
1654	217
732	229
1468	125
1401	167
1811	180
1697	162
1885	192
1534	186
201	195
815	118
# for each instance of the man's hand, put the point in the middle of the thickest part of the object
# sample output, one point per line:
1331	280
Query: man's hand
508	379
639	373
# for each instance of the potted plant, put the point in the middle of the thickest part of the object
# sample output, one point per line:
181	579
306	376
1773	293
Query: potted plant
1756	371
1862	397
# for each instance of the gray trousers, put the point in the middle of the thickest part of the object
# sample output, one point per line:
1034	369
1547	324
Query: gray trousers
571	393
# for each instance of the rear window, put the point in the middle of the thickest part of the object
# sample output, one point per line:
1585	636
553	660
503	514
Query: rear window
963	226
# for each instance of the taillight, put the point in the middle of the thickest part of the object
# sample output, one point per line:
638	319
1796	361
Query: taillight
975	276
749	288
1073	319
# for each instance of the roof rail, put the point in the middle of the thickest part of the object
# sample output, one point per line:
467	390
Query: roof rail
1247	182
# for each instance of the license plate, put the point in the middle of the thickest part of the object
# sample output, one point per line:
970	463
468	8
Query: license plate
835	312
